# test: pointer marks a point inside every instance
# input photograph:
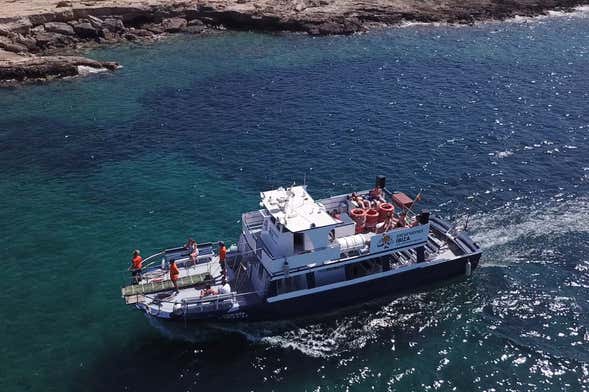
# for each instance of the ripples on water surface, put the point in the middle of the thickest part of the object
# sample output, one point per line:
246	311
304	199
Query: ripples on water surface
491	121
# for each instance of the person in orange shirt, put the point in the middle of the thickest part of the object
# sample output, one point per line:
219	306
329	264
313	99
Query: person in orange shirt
222	255
174	275
136	265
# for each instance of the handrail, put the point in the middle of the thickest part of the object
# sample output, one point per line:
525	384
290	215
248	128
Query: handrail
149	258
147	263
210	298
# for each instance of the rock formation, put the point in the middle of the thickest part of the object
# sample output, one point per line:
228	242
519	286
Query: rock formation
33	32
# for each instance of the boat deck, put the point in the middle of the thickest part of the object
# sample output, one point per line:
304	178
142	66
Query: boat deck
158	280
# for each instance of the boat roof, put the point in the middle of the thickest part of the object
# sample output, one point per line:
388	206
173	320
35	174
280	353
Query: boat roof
294	208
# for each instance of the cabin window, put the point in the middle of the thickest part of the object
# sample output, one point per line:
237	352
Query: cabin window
294	283
363	268
329	276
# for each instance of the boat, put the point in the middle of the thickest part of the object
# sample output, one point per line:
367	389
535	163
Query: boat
297	257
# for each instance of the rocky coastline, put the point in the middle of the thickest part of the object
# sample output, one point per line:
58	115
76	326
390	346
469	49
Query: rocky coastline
37	35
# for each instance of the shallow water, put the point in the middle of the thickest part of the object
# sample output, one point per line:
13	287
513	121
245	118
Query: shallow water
490	121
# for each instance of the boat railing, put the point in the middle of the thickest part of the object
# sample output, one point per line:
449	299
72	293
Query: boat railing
175	252
210	302
234	296
149	261
253	220
211	298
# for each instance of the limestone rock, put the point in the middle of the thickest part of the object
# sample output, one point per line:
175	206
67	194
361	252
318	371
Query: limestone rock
114	25
59	27
10	46
130	37
142	33
174	25
300	6
39	68
95	22
108	36
38	29
86	30
48	40
28	41
20	25
194	29
196	22
154	28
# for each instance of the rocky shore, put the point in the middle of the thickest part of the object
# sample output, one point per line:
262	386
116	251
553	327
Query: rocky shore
35	35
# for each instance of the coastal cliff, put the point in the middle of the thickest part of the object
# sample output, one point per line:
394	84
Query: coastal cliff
35	35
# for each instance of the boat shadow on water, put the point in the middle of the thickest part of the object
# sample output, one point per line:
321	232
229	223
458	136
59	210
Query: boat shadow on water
203	355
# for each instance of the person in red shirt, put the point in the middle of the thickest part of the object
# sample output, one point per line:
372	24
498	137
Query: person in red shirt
136	265
222	255
174	275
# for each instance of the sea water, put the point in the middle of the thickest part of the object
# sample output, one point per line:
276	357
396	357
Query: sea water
490	122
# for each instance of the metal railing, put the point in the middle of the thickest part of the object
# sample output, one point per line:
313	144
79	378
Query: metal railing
253	220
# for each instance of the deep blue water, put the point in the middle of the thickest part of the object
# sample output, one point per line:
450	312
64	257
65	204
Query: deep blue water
490	121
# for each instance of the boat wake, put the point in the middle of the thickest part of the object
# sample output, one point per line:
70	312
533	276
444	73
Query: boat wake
351	330
511	224
329	336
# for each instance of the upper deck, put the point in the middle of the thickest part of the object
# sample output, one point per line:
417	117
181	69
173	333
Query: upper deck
295	209
295	232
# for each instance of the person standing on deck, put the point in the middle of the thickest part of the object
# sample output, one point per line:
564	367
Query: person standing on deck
174	275
136	265
193	252
375	196
402	219
222	255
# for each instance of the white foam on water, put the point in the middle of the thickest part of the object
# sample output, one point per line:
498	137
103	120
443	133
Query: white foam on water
512	223
405	24
85	70
355	330
577	12
501	154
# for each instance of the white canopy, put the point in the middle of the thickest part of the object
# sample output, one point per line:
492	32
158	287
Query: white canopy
295	209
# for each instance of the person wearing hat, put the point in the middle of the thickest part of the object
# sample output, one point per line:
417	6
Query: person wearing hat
136	265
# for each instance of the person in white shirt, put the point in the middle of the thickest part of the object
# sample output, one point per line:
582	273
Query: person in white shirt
225	288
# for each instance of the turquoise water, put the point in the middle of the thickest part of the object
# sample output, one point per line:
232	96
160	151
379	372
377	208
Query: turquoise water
490	121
